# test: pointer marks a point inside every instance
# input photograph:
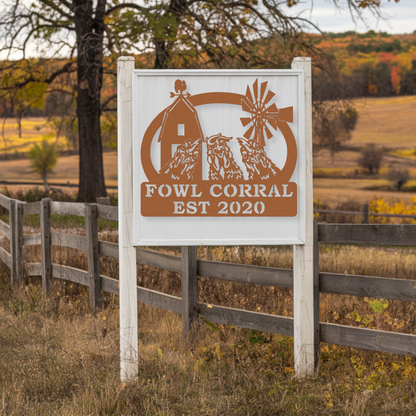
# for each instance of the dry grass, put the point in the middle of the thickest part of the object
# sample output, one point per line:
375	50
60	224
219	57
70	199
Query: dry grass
59	358
334	191
65	171
386	121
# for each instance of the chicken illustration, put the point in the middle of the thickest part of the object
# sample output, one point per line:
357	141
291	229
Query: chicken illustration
220	159
183	163
258	165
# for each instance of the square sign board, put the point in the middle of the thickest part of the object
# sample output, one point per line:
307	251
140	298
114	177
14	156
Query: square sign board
218	157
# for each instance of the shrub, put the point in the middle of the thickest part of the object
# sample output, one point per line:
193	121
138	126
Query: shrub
371	158
399	177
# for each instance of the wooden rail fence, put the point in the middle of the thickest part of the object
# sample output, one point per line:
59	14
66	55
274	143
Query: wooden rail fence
365	213
190	267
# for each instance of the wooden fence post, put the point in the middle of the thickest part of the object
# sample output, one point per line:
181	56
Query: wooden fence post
317	332
129	344
46	245
13	258
94	280
366	214
303	270
189	290
16	243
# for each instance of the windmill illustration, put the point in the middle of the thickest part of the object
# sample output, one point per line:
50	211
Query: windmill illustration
264	116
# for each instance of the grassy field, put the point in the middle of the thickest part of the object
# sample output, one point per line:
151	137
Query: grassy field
389	121
33	130
65	359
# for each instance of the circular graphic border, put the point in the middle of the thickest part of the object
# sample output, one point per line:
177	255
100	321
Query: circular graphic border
216	98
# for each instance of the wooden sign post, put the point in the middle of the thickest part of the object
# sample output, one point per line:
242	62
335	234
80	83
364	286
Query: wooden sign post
216	157
127	253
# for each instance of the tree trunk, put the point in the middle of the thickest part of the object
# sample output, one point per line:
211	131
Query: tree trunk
2	131
45	181
89	32
19	124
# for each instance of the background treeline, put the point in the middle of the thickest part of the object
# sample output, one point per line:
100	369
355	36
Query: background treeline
371	64
367	64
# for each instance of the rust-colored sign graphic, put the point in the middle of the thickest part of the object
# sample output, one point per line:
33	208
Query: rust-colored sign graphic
256	187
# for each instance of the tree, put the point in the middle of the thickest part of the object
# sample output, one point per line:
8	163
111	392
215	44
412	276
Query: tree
43	159
382	80
185	33
371	159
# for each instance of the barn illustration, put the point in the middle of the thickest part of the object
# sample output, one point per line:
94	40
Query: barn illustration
180	124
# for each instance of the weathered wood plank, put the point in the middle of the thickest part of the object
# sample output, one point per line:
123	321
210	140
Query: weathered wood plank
108	249
70	273
69	240
375	234
189	290
242	273
5	256
103	200
107	212
337	211
4	229
34	269
155	259
46	245
68	208
110	285
32	208
375	287
93	258
160	300
368	339
5	201
19	243
376	214
13	258
247	319
31	239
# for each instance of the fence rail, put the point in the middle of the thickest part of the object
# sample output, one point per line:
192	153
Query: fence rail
190	267
365	213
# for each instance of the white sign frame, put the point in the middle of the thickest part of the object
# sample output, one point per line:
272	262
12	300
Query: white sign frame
159	231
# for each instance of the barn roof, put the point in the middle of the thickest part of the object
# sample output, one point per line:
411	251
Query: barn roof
182	99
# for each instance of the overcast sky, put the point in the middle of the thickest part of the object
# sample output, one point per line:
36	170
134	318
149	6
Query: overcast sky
401	16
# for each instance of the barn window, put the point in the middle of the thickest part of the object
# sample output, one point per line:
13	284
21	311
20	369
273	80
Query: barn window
181	129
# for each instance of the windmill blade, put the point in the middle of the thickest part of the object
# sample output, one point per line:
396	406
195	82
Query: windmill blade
245	120
286	114
246	105
269	134
256	89
248	133
269	96
263	90
248	94
272	121
272	109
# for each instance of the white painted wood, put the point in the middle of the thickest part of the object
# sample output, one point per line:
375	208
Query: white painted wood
151	96
303	283
127	253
